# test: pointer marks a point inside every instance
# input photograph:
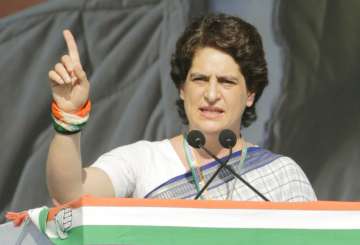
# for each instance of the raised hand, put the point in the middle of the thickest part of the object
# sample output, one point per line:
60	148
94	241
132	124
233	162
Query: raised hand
68	80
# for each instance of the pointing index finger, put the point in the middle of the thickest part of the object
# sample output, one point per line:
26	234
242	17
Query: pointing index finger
71	45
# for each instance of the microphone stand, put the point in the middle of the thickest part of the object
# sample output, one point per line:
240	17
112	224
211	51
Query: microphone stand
222	165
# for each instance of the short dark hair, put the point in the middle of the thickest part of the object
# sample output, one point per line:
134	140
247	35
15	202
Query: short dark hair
231	35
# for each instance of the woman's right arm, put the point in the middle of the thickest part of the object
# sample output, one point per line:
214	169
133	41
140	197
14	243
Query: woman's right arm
66	179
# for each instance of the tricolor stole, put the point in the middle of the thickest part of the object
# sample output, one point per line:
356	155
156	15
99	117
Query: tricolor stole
179	222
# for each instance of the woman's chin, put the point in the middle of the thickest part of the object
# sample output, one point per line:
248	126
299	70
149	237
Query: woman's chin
210	128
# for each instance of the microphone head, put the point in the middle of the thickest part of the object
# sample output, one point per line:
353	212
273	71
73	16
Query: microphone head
227	138
195	138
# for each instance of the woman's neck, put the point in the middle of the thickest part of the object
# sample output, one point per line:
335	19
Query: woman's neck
213	145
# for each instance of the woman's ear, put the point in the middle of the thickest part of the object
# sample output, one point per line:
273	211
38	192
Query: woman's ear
250	99
181	91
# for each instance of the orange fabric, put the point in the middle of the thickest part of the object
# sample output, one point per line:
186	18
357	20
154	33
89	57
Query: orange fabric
84	110
17	218
56	111
73	204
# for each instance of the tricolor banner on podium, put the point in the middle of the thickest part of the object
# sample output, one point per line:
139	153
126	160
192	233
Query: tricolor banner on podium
148	222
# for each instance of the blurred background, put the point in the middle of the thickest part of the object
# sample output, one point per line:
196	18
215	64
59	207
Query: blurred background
310	111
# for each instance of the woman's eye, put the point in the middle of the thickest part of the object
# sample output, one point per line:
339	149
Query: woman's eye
228	82
199	79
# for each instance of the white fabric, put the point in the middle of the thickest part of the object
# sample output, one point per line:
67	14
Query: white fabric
138	168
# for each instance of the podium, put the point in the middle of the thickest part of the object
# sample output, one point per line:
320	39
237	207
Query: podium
151	221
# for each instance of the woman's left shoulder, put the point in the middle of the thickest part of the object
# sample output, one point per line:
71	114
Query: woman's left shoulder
292	177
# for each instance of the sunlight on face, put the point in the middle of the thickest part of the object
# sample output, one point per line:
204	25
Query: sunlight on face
214	93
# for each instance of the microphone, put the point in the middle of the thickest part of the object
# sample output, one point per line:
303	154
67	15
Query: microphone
227	139
197	140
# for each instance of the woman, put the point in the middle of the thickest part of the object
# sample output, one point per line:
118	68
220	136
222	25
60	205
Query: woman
220	72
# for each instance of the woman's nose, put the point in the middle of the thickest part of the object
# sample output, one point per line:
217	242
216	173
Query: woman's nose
212	92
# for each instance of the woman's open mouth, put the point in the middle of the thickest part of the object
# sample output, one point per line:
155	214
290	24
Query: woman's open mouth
211	112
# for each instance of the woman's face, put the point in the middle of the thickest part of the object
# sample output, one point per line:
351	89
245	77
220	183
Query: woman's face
214	93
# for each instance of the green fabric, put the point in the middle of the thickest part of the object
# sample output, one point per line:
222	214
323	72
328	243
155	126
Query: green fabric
191	164
62	130
43	219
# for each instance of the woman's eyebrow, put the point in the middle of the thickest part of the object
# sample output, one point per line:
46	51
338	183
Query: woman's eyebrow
197	75
206	77
230	78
